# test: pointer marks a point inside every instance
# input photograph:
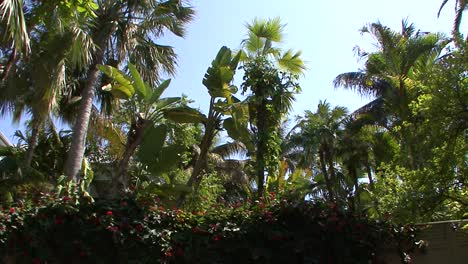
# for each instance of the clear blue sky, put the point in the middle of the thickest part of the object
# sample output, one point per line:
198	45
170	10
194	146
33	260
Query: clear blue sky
326	32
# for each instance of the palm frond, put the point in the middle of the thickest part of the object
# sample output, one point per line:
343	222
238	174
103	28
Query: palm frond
170	15
363	83
82	47
444	2
291	61
11	13
270	29
152	60
229	149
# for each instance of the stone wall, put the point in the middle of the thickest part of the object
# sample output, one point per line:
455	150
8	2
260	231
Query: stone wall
446	244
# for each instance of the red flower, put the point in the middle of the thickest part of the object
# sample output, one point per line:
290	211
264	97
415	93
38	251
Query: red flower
113	228
180	252
109	213
58	220
66	198
169	253
272	195
12	210
217	238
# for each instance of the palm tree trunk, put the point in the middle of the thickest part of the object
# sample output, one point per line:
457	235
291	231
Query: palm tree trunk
260	153
325	175
331	167
9	65
80	130
353	174
459	9
134	138
200	163
32	142
369	173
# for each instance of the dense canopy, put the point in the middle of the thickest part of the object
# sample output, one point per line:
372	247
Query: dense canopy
98	67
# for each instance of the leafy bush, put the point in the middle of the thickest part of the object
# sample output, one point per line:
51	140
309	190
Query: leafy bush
74	229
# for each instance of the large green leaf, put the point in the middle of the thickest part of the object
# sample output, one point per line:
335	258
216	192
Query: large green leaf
219	75
235	61
152	144
159	90
239	110
123	88
217	81
164	102
238	131
167	160
141	88
231	128
223	57
120	91
185	114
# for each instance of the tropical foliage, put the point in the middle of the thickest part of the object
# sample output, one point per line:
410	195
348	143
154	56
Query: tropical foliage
247	182
126	231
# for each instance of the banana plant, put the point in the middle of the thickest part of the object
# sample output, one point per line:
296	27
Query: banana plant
144	111
217	80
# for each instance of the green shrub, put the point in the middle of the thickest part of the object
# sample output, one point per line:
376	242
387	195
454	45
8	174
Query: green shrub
73	229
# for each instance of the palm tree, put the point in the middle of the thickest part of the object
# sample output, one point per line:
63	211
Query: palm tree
318	137
16	37
390	74
125	31
460	7
57	47
270	76
232	171
143	110
217	80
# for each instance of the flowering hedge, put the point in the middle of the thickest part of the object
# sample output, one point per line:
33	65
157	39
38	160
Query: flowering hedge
74	230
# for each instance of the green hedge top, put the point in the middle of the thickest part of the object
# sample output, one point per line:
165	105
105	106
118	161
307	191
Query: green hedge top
75	230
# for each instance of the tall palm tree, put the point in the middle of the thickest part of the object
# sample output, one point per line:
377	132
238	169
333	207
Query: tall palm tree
217	80
125	31
460	7
318	137
15	32
57	46
271	78
391	73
